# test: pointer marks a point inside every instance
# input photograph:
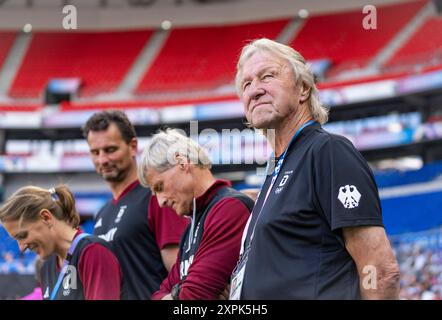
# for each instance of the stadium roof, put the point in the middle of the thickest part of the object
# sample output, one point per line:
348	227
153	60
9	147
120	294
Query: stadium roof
111	14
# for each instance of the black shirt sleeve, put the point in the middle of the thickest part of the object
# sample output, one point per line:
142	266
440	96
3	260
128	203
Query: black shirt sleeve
345	189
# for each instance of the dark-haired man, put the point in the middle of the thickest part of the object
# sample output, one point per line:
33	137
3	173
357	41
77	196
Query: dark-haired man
144	236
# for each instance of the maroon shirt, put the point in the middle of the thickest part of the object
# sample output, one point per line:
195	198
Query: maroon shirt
218	252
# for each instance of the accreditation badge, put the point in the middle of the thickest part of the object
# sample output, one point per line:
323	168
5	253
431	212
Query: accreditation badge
238	277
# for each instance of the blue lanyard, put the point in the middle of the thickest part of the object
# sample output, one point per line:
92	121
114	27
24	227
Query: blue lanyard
276	171
65	264
281	159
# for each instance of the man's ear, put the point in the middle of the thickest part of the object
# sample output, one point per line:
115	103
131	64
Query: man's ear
133	145
182	162
305	93
47	217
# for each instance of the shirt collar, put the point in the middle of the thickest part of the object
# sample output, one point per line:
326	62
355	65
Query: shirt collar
204	199
306	131
129	188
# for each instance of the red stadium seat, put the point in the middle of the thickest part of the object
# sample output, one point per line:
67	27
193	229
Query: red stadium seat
6	41
424	45
202	57
342	38
100	59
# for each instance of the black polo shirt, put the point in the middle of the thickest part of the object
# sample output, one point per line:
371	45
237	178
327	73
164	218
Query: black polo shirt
298	249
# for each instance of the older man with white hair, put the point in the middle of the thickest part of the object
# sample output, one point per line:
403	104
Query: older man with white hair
316	230
177	170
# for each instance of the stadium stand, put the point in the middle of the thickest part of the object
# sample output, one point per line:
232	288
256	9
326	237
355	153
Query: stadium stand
202	57
179	67
422	49
100	59
6	41
420	261
340	37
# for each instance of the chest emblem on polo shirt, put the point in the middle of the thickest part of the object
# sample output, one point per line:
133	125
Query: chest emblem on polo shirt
120	214
283	181
349	196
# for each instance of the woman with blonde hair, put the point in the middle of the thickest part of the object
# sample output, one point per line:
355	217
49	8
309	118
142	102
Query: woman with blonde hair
77	266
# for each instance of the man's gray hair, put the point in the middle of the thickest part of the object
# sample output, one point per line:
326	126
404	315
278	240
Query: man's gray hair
302	72
160	154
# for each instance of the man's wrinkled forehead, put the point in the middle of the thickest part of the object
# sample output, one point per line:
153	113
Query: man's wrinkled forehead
154	176
261	61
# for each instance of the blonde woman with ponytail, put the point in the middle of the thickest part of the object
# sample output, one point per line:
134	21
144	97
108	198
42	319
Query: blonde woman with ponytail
77	266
